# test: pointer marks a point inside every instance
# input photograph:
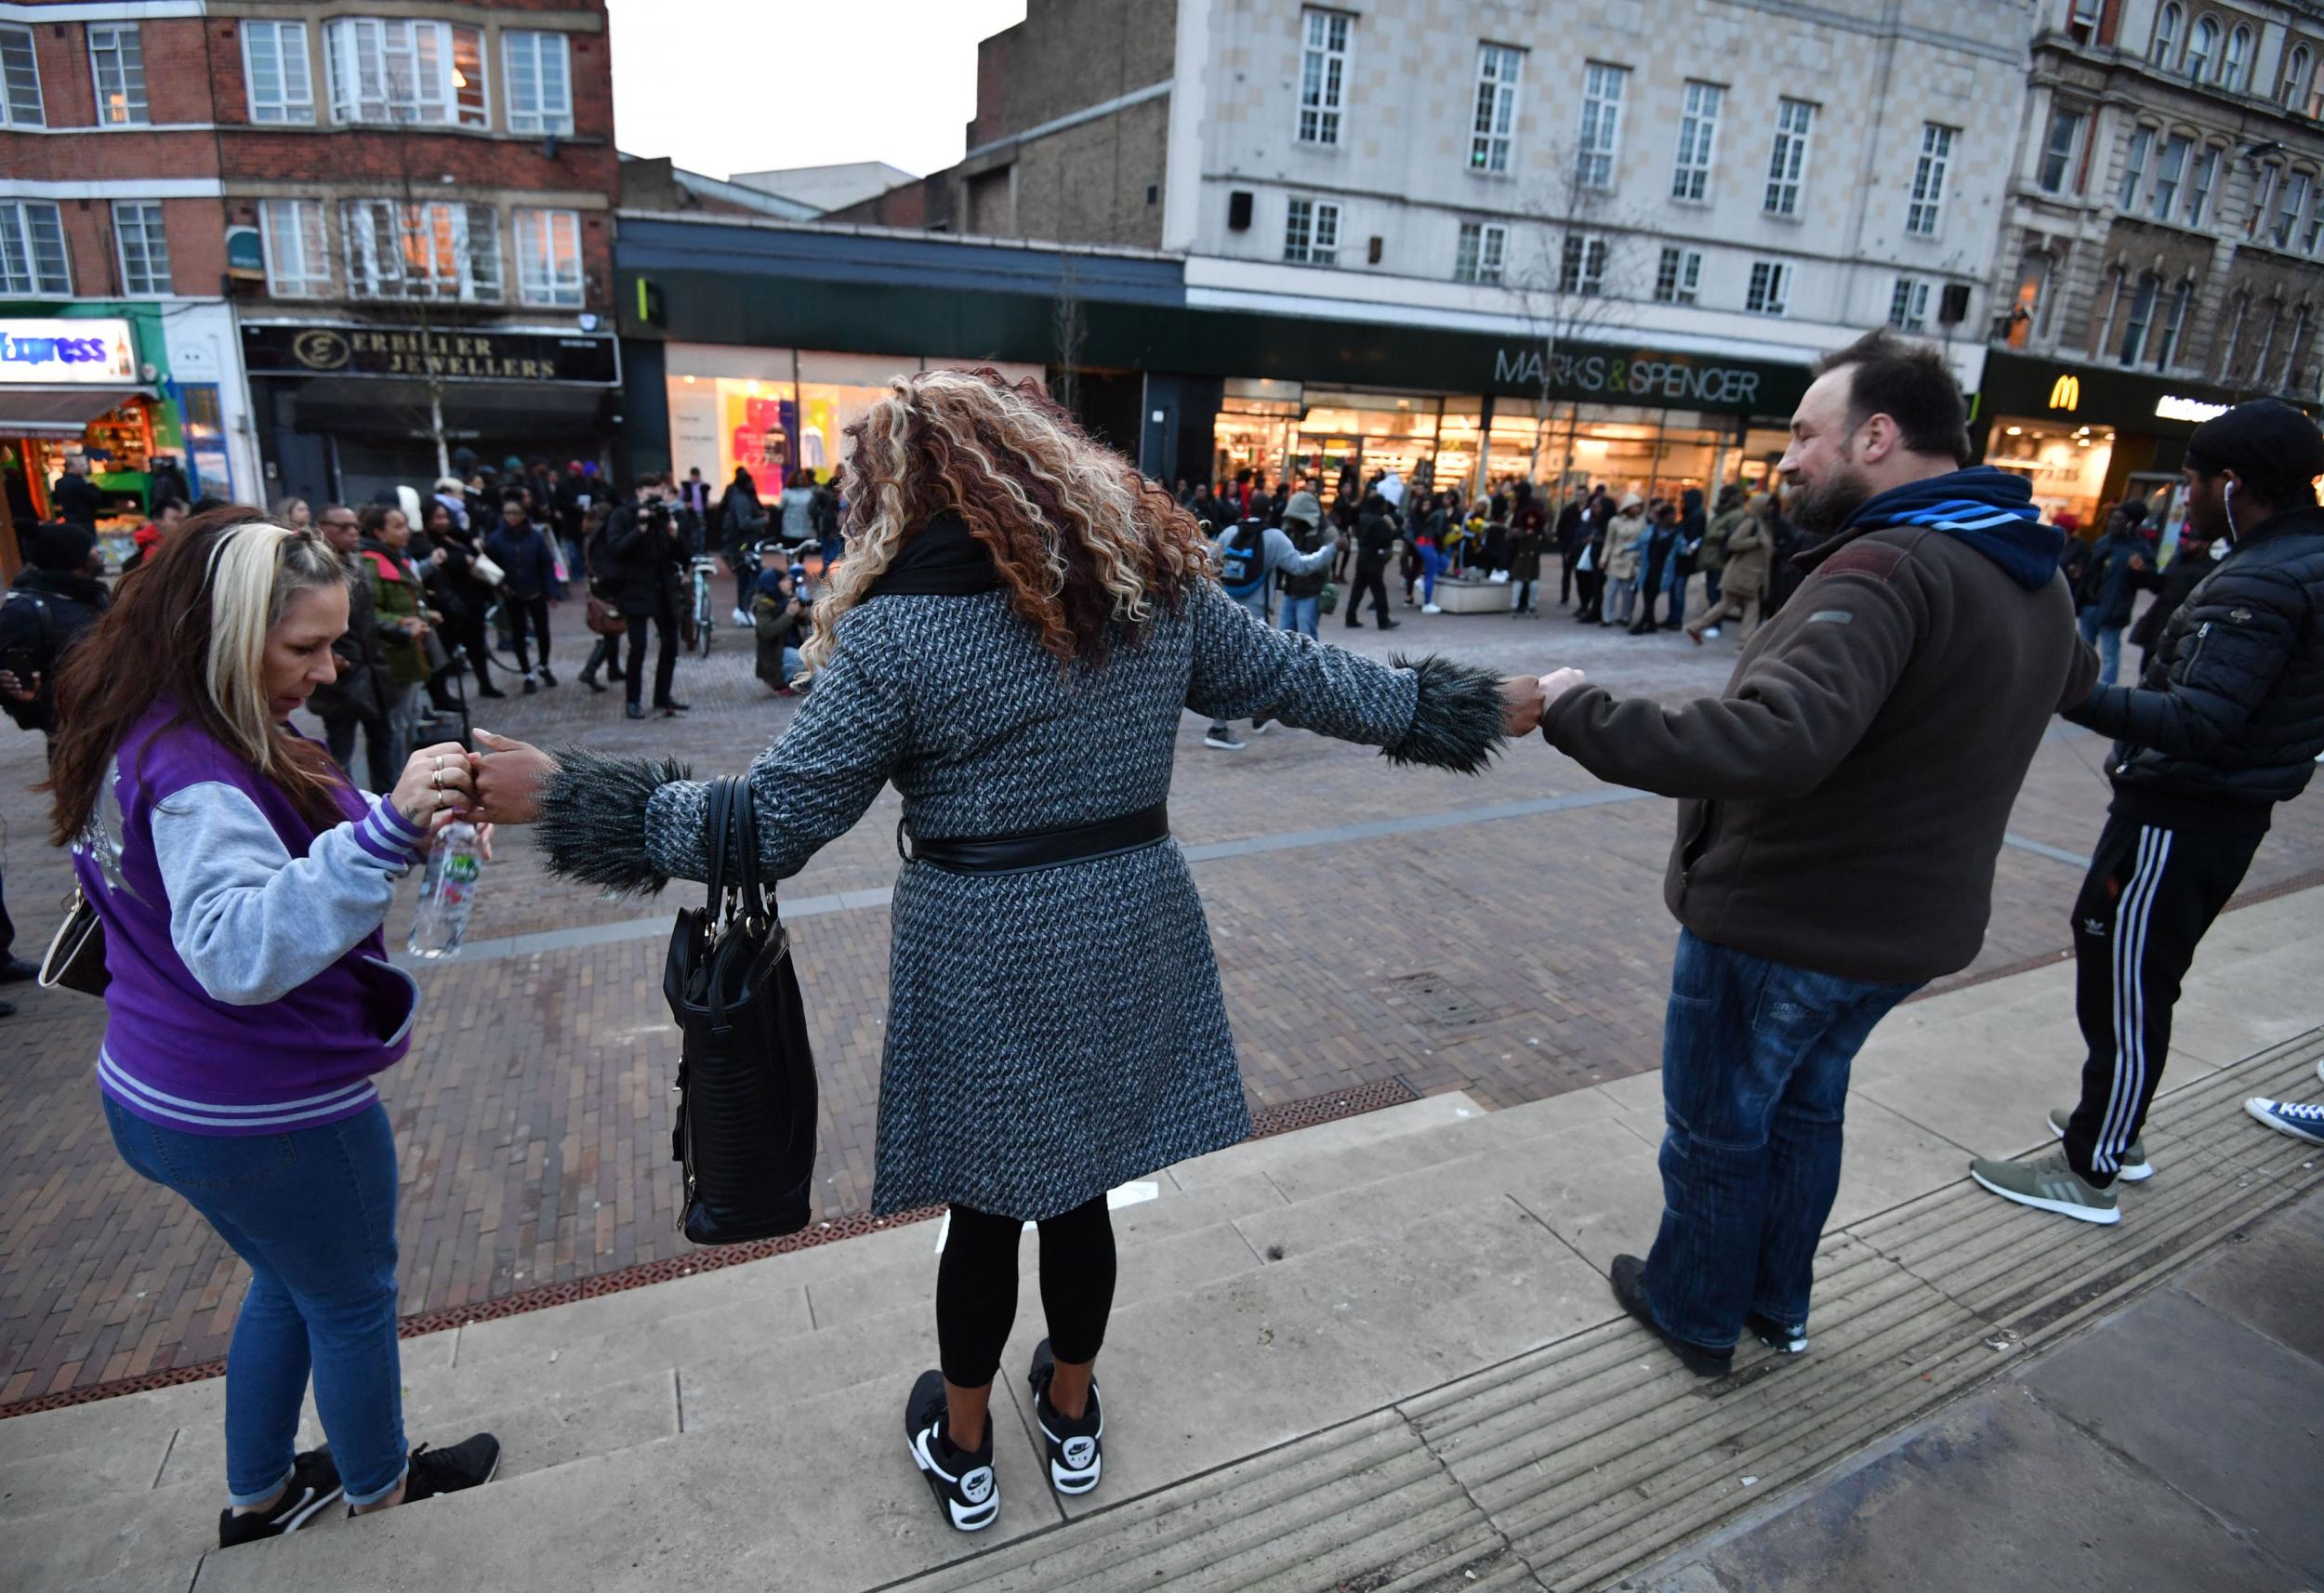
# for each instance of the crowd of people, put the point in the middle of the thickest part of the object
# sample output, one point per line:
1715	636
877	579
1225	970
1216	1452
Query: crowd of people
1018	626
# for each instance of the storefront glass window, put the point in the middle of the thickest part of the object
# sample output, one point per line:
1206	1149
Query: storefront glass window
2065	466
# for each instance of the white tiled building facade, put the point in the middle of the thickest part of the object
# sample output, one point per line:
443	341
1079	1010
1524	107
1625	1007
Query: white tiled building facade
1728	175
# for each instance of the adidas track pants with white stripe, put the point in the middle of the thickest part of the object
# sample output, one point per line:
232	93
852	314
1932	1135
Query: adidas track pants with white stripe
2151	894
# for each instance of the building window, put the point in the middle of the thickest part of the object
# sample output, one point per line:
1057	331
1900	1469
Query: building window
2202	44
2291	349
1581	267
2057	151
540	83
2234	73
2028	316
1678	276
117	60
2294	95
1323	76
1771	286
1601	123
2227	344
2167	35
20	80
422	250
2199	191
2315	237
2290	201
2267	343
1908	305
387	69
2083	18
1698	131
1311	233
1498	67
2168	171
298	242
2173	324
274	67
1787	169
31	250
548	257
2134	167
2142	316
144	247
2263	199
1483	254
1928	180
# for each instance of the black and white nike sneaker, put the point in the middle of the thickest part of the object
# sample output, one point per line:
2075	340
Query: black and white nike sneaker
314	1484
961	1479
1076	1450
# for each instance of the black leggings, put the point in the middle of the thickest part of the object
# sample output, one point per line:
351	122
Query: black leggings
976	1288
532	612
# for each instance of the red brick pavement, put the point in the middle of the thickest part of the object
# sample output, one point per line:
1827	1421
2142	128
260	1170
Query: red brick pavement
1515	960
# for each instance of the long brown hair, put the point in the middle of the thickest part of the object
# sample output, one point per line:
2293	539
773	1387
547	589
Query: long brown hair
1087	548
188	624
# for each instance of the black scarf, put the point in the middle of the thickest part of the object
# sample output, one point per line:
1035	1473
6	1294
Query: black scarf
943	560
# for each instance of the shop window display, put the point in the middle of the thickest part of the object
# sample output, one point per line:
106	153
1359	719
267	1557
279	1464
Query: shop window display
2067	466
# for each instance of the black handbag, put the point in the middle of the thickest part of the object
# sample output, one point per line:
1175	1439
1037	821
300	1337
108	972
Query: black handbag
745	1127
76	959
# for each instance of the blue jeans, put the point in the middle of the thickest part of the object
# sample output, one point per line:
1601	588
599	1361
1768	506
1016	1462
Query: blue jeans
1431	566
2107	640
313	1214
1299	614
1755	1058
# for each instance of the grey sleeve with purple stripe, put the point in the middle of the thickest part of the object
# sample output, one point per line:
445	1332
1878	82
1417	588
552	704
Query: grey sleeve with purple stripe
254	923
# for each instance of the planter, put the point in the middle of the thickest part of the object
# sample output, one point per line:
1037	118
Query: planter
1465	597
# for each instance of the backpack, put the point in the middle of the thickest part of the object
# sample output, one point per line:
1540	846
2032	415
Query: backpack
1243	564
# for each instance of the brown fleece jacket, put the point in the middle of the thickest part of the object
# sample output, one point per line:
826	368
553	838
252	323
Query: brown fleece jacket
1844	802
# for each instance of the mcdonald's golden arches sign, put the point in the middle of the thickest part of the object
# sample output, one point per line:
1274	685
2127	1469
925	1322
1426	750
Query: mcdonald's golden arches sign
2065	393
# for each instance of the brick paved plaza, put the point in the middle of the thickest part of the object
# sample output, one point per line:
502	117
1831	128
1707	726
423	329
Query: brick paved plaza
1449	942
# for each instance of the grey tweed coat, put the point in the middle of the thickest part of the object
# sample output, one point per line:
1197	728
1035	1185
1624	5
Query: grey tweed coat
1054	1033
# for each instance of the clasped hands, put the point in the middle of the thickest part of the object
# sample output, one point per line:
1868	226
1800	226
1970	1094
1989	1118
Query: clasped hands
1526	698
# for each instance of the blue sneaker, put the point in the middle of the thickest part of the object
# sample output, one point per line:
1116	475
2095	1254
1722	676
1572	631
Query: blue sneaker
2300	1121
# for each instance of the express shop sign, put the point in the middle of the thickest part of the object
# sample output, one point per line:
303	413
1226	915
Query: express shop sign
52	353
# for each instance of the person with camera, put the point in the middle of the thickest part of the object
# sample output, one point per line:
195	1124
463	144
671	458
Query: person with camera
781	616
241	882
649	560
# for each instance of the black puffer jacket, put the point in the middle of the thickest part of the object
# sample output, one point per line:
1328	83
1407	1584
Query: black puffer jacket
2229	715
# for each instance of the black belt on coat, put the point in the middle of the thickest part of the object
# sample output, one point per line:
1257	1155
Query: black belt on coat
1044	849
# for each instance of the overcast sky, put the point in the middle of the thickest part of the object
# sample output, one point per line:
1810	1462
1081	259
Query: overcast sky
735	85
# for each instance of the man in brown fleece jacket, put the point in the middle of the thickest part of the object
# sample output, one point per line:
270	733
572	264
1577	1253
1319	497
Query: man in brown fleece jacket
1842	804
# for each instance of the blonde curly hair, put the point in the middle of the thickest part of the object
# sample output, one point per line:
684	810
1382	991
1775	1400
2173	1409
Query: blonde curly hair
1088	549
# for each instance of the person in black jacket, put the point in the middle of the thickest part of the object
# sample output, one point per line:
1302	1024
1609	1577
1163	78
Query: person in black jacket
54	598
77	497
2226	723
1375	544
364	696
520	548
2109	584
649	556
2170	589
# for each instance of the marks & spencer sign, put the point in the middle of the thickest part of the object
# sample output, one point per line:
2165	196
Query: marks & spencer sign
444	354
57	353
1639	376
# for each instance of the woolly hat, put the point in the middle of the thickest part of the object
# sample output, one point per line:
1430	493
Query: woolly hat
1305	508
2263	439
60	546
1632	500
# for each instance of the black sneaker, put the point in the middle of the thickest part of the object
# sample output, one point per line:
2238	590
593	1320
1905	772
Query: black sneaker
672	706
548	676
468	1464
1077	1449
314	1484
1784	1338
962	1481
1629	1277
529	686
633	711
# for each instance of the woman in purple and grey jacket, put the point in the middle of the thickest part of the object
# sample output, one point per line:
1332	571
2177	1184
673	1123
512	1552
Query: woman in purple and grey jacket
243	880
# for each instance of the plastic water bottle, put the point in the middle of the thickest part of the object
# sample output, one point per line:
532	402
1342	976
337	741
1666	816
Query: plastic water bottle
447	892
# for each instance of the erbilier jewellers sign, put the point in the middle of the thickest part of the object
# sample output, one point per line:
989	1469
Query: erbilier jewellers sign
1623	378
457	354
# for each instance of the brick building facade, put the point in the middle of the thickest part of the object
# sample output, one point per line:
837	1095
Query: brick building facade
2161	239
426	187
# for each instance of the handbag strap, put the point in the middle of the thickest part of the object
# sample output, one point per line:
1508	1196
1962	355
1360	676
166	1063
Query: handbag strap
714	838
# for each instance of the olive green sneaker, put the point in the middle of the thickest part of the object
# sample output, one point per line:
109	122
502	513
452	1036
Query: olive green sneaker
2135	1167
2048	1183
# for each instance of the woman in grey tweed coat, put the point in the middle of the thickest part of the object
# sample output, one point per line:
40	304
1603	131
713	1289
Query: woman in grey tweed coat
1019	626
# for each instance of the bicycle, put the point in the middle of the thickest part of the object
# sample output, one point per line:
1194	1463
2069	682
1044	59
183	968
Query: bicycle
705	571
